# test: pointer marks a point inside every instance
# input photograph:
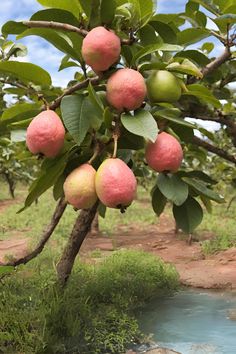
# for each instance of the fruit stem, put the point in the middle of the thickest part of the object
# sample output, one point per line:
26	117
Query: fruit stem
46	104
115	137
95	154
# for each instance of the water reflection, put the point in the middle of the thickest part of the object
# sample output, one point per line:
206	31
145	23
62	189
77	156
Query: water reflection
193	322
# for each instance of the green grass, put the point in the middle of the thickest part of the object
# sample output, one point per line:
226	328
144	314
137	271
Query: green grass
222	223
30	223
95	313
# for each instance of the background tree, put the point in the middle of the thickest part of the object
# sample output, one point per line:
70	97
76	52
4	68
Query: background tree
95	130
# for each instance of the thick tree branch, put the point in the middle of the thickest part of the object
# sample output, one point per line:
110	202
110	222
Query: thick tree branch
61	206
80	230
213	65
215	150
94	81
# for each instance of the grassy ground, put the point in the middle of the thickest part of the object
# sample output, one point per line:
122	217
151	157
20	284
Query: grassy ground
221	223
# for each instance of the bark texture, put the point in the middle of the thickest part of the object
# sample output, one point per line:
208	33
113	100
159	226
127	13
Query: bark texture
80	230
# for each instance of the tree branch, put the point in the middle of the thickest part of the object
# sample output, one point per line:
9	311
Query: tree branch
94	81
213	65
69	28
61	206
55	25
215	150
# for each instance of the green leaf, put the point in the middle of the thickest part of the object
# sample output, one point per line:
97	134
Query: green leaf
58	39
209	5
108	8
153	48
56	15
12	27
168	114
95	16
194	55
58	187
173	188
76	123
142	124
48	176
146	11
72	6
224	21
26	71
108	117
20	111
208	47
207	203
158	201
79	114
165	31
192	35
95	98
203	93
148	36
199	175
201	188
188	215
86	6
186	67
102	210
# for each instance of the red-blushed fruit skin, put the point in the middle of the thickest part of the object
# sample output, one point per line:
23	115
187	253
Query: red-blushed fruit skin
79	187
126	89
115	183
165	154
45	134
101	48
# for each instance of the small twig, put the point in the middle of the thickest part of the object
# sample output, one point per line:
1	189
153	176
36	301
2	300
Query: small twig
95	154
115	138
61	206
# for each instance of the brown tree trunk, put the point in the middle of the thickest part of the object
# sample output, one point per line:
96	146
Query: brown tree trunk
80	230
11	184
95	225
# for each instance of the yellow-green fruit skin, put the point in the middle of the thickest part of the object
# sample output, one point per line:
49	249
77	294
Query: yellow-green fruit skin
163	86
79	187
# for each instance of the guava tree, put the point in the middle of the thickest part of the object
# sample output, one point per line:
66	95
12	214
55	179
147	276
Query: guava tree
123	117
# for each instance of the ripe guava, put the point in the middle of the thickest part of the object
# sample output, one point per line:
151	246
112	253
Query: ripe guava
126	89
101	48
165	154
115	183
79	187
45	134
163	86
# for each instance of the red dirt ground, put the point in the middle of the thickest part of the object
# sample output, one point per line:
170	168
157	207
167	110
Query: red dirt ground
216	271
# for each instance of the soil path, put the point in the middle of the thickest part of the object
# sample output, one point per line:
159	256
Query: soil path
217	271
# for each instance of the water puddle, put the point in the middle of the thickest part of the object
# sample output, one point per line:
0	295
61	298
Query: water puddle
193	322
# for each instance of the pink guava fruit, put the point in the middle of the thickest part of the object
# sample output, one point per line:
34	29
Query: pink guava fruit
165	154
79	187
101	48
126	89
115	184
45	134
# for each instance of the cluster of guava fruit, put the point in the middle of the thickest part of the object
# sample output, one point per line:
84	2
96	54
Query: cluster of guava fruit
114	183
